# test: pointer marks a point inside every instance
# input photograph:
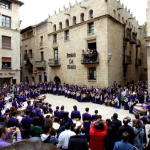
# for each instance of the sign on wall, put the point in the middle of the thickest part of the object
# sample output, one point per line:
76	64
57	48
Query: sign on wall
71	61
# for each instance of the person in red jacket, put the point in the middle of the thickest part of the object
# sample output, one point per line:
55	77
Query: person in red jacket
98	132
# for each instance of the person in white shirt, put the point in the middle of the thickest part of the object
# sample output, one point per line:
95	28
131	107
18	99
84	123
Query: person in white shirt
64	137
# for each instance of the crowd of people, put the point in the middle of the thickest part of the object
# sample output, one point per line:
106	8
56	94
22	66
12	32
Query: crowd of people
39	122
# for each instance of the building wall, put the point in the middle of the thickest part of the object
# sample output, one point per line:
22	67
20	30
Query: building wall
14	33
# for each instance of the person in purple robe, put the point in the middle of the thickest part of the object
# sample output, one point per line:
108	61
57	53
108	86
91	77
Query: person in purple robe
1	104
75	114
127	99
29	106
118	104
78	95
86	117
37	112
59	89
50	109
13	121
93	96
54	89
14	103
95	117
61	113
56	113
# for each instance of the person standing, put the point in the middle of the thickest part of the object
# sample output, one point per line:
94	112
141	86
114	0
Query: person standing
78	142
124	144
64	137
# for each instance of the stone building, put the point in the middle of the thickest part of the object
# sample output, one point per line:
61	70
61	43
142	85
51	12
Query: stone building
10	41
104	25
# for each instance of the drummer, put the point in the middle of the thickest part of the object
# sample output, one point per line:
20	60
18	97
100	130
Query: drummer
56	113
29	106
75	114
61	113
13	121
95	117
1	104
50	109
37	111
14	103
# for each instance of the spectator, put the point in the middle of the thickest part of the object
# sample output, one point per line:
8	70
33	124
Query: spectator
126	128
139	135
65	136
4	121
5	135
78	142
62	128
98	132
148	146
13	121
35	129
110	138
47	137
116	122
29	145
123	145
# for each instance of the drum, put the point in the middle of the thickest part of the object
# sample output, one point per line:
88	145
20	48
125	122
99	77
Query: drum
74	121
56	126
19	118
47	115
137	110
21	111
139	105
41	110
78	123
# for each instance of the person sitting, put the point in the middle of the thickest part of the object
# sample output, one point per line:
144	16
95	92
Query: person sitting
78	142
4	121
29	106
13	121
14	103
124	144
47	137
5	135
35	129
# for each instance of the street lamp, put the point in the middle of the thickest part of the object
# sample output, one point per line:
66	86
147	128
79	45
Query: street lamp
25	62
109	56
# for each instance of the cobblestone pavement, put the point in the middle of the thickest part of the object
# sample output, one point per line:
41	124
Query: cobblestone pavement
103	110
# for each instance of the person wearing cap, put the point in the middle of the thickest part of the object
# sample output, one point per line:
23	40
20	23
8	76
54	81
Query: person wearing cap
86	117
78	142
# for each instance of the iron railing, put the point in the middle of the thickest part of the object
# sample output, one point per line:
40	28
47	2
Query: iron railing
127	60
28	56
138	62
127	35
54	62
90	58
40	64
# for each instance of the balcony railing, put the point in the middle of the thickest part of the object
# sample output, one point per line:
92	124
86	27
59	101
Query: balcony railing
90	58
30	70
127	60
133	40
138	62
54	62
90	31
91	77
54	41
40	64
127	35
138	43
28	56
6	68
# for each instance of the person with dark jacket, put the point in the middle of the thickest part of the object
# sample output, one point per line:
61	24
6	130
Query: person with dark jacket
46	137
110	138
78	142
117	123
126	128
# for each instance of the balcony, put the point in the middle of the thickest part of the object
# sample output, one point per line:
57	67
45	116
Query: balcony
138	43
54	63
91	77
127	35
6	68
127	60
41	44
138	62
30	70
28	56
40	64
90	31
66	39
133	40
90	59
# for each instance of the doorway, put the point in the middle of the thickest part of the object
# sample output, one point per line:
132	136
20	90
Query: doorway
57	80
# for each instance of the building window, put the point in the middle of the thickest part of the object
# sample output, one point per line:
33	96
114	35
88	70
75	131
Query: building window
55	38
6	63
67	23
5	5
45	77
74	20
40	78
92	73
41	43
82	17
91	27
54	27
6	21
124	72
6	42
91	13
67	35
60	26
42	56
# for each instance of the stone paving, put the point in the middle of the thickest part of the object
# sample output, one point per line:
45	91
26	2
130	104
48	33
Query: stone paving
103	110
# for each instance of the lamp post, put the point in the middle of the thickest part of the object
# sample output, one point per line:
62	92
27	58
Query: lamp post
109	56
